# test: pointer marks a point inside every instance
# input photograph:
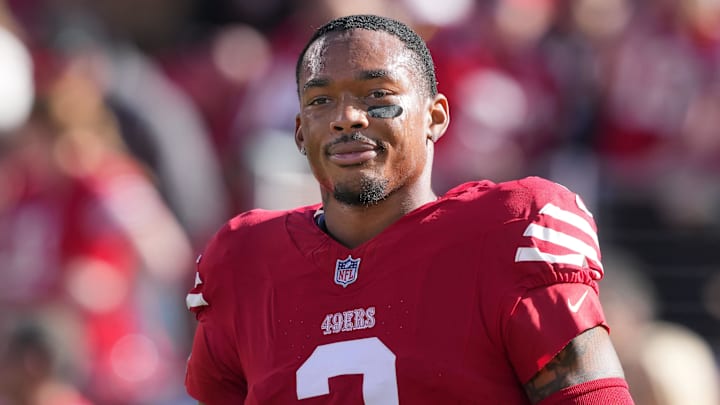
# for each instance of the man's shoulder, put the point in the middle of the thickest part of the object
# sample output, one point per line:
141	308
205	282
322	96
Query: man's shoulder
250	238
254	232
521	198
259	222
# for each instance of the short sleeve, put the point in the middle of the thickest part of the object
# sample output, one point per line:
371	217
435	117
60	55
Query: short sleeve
205	379
545	320
559	233
547	259
214	374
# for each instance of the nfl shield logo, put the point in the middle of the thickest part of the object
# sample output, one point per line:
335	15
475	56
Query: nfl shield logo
346	271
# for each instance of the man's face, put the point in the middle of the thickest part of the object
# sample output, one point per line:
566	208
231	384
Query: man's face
364	115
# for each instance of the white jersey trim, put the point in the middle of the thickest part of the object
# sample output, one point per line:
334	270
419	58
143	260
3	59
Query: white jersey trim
562	239
570	218
195	300
533	254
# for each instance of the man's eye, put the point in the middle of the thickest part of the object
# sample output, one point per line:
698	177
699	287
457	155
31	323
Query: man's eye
379	93
318	101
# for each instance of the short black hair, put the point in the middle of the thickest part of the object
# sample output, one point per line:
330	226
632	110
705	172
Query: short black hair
410	38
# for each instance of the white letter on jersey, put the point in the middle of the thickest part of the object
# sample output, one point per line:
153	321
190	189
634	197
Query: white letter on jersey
348	321
369	357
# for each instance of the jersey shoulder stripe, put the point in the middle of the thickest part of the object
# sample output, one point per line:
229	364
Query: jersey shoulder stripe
570	218
562	231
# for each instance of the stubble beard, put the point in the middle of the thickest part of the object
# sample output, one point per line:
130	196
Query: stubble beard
369	192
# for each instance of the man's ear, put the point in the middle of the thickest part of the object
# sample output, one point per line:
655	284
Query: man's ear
299	139
439	117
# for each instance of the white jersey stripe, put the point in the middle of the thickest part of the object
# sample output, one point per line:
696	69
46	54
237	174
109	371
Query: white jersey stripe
582	206
570	218
562	239
195	300
533	254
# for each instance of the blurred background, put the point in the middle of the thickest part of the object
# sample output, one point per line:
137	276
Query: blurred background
131	129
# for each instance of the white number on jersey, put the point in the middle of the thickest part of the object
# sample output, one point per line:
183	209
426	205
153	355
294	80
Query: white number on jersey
369	357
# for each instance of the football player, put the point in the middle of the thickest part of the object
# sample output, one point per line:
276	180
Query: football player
385	293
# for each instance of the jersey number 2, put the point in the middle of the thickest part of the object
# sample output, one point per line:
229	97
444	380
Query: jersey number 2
369	357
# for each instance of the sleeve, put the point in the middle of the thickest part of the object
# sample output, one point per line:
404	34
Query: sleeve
603	391
545	320
206	379
560	234
214	374
551	257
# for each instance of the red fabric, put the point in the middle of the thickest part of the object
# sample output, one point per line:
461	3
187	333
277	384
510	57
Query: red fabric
215	385
597	392
534	338
434	306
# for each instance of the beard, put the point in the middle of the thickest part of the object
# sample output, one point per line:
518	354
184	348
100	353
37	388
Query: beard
369	192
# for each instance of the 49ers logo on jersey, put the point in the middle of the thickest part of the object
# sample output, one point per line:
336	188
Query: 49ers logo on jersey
350	320
346	271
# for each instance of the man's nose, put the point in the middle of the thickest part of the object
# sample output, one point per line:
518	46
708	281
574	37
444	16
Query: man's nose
349	117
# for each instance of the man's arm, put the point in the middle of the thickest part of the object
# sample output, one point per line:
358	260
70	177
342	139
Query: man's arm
589	357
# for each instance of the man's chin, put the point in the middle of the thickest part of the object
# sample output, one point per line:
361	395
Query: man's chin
369	191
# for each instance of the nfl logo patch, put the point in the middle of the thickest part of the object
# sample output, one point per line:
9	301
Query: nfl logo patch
346	271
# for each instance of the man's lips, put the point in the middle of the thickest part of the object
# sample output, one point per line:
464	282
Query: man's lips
352	152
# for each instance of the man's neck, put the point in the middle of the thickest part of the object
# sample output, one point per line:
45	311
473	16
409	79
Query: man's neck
354	225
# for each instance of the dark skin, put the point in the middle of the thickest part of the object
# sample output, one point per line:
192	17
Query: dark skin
589	356
344	75
355	72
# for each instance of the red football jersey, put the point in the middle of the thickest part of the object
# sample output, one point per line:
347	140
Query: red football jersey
460	301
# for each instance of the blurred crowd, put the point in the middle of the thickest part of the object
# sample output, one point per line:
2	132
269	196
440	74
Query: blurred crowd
131	129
